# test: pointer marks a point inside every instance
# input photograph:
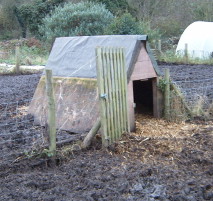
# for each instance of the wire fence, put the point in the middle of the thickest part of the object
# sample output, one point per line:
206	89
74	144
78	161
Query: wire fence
196	88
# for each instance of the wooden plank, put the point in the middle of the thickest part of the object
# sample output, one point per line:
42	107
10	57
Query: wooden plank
115	119
122	91
120	108
110	96
125	95
106	94
100	82
117	92
51	111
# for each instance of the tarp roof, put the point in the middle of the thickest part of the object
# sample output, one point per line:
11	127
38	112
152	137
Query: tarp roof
75	56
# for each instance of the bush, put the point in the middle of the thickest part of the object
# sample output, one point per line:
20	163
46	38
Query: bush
123	25
8	23
153	33
116	7
126	25
30	15
84	18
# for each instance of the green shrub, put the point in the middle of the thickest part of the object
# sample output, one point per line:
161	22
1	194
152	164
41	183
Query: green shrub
126	25
84	18
203	10
123	25
153	33
30	15
116	7
8	23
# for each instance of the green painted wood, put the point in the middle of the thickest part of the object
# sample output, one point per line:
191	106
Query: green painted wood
51	111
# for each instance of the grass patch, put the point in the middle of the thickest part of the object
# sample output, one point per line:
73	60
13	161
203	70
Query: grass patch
32	52
28	56
169	56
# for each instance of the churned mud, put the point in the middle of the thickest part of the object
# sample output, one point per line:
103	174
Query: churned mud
160	161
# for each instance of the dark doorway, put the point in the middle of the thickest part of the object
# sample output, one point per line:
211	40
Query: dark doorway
143	96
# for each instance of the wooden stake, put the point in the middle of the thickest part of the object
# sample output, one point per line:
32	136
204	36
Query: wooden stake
186	55
159	46
167	95
17	53
51	111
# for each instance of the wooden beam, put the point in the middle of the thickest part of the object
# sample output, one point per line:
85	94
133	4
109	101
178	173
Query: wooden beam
88	139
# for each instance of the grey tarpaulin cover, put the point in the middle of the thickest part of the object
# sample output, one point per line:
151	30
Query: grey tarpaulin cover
75	56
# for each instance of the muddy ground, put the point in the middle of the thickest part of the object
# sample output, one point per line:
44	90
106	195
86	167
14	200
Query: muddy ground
160	161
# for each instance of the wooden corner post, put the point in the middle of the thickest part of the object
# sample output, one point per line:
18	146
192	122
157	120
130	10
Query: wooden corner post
51	111
167	95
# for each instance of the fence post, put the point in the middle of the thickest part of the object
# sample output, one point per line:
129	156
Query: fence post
186	55
167	95
159	46
51	111
17	56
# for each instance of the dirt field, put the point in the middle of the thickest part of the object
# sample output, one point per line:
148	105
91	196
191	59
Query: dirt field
161	161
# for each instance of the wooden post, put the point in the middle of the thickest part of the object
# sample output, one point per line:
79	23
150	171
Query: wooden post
51	111
159	46
102	95
186	55
167	95
91	134
154	44
17	56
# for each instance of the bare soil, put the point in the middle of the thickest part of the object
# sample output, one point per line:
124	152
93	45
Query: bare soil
160	161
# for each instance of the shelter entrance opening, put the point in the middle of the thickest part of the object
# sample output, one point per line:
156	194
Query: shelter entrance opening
143	96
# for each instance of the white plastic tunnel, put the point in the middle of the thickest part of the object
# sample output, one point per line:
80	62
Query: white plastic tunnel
199	39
